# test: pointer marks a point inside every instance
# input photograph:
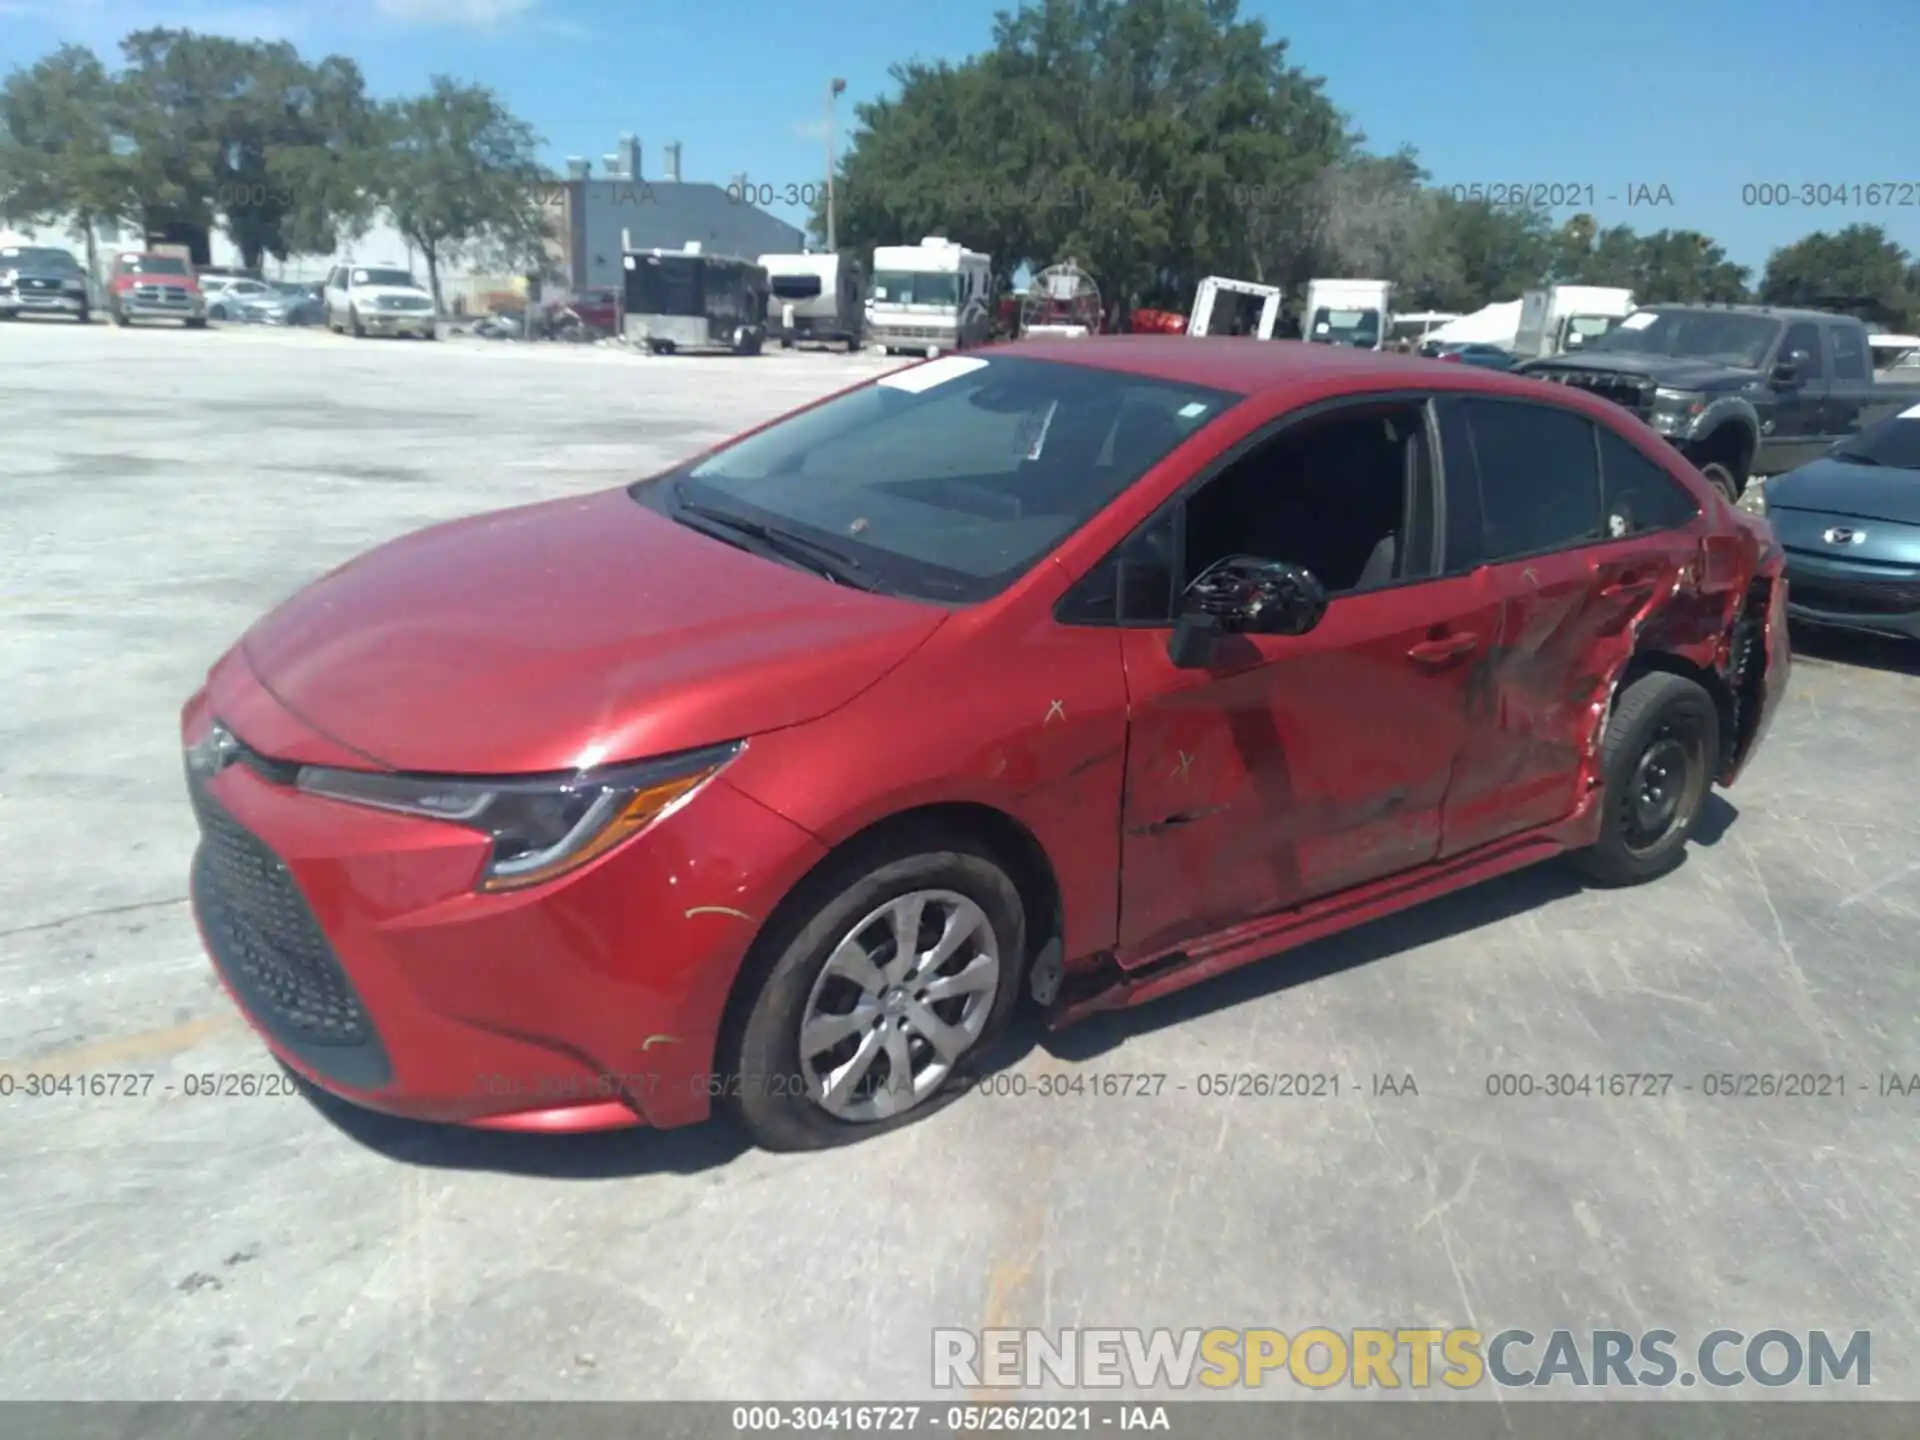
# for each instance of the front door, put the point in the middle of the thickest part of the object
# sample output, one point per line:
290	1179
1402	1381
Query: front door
1297	766
1800	420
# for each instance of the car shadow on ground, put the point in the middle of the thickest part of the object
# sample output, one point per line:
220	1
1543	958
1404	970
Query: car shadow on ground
1447	917
603	1155
1856	648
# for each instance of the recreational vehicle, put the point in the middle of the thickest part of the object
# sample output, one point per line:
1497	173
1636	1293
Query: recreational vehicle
1560	318
931	297
686	300
1348	312
814	299
1223	306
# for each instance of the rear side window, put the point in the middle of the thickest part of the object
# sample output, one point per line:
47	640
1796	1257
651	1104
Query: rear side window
1637	494
1849	353
1539	477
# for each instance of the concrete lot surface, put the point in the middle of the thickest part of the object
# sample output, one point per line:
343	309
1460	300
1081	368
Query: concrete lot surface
160	489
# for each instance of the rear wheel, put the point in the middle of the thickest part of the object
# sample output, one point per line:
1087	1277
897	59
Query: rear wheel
1723	479
866	1010
1657	763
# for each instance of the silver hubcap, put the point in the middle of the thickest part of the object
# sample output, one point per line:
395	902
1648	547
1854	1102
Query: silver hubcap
902	997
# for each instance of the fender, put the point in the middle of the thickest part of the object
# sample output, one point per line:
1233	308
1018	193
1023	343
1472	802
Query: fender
1727	410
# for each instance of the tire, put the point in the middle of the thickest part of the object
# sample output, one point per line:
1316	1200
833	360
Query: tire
353	320
333	325
85	315
1724	480
1660	722
778	1096
196	322
119	316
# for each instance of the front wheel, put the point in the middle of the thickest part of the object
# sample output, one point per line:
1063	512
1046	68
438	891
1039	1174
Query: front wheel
1657	763
866	1011
196	322
119	316
84	315
353	320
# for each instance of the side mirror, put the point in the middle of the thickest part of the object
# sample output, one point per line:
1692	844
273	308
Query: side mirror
1244	595
1788	370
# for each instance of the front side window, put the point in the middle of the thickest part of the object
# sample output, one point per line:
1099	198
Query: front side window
946	481
1802	347
1539	477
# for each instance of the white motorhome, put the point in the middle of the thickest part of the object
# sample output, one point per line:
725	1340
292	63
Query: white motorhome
1895	357
1348	312
814	299
930	298
1234	307
1560	318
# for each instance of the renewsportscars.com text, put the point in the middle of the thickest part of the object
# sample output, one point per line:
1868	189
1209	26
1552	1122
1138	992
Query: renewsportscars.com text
1392	1358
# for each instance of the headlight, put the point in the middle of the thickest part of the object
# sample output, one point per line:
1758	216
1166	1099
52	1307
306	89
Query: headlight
1690	402
1753	499
541	828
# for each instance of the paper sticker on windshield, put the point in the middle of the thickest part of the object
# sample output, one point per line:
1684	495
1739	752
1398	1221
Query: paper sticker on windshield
916	379
1639	320
1033	433
1912	412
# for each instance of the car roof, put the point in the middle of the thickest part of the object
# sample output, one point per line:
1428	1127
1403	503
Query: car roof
1765	312
1271	368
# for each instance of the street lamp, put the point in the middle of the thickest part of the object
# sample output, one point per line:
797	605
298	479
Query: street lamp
834	90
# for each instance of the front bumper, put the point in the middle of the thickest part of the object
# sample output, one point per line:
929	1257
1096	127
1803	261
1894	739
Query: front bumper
161	310
41	302
354	942
1854	595
379	322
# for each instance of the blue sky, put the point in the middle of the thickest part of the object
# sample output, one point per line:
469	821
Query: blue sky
1702	97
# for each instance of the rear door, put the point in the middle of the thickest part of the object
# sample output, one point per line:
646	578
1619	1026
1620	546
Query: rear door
1525	511
1800	418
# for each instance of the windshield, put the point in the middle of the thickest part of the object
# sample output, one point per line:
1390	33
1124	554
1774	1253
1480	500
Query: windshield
913	287
1346	327
385	277
155	265
1691	334
1894	443
1583	330
37	255
947	481
796	287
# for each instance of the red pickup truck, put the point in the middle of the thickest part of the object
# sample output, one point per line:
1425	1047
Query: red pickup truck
150	285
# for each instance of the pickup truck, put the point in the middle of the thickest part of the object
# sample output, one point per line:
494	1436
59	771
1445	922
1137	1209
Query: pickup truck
1740	390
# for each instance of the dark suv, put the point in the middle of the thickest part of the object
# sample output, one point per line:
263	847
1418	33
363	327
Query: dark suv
42	280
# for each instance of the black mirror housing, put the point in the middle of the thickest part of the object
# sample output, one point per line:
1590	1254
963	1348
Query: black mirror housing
1244	595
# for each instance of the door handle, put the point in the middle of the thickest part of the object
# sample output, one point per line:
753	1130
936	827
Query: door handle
1440	650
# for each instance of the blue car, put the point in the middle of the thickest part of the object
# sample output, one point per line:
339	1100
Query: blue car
1850	525
1487	357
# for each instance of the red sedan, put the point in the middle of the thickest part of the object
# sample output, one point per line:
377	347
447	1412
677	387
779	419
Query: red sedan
1067	673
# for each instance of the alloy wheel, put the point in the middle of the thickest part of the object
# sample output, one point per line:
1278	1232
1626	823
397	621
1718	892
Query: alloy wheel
903	996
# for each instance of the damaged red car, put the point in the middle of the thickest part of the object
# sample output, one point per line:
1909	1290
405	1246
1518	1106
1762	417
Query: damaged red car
1066	673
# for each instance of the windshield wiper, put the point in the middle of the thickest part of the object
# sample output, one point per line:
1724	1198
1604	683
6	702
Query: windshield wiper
835	565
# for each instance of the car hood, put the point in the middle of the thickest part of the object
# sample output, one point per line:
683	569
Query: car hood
390	292
567	633
1681	372
1832	486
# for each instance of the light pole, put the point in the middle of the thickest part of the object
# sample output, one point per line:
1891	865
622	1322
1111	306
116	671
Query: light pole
834	90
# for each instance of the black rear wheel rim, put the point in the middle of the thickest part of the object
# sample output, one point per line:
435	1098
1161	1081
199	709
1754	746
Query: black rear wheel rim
1664	787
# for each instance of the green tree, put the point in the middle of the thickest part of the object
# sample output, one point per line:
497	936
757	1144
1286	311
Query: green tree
249	135
1498	251
1153	140
60	159
461	174
1857	263
1686	267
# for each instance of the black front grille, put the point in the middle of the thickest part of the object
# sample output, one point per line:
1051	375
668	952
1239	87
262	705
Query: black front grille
1627	391
1854	597
269	946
